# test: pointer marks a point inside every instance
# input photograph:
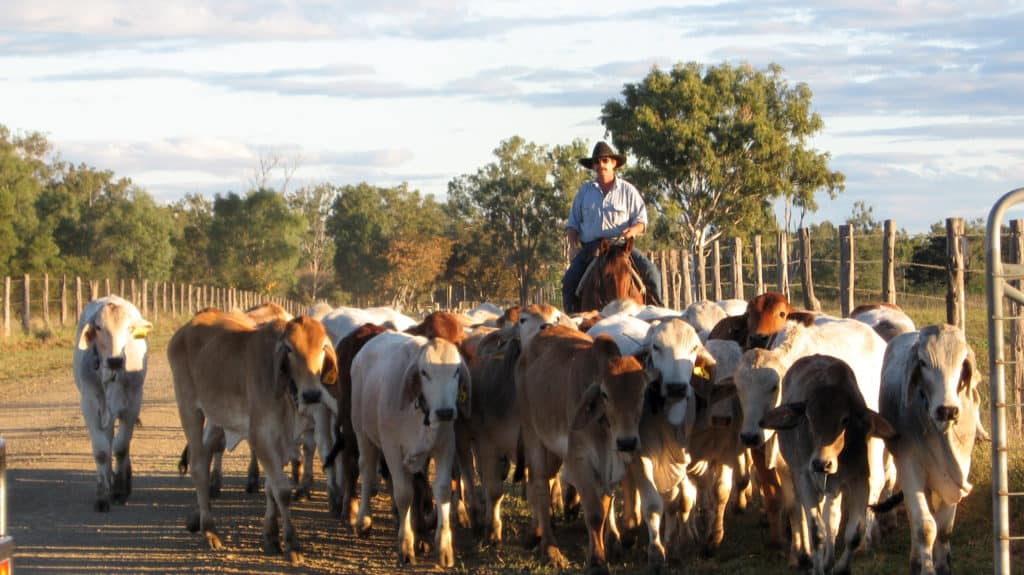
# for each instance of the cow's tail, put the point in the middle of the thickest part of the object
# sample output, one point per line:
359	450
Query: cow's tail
520	472
183	462
889	504
337	448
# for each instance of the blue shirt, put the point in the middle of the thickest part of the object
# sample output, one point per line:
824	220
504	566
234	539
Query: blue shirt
595	215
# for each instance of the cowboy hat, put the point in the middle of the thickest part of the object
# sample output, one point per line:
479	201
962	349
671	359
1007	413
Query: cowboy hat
603	150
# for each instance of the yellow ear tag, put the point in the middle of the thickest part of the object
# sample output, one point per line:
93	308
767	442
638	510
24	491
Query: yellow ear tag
462	396
140	333
699	371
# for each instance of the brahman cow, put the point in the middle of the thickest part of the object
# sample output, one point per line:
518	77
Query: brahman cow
885	318
823	427
930	394
758	381
110	368
256	383
342	321
580	402
406	392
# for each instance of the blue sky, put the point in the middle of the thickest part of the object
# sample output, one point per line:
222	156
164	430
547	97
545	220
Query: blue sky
921	99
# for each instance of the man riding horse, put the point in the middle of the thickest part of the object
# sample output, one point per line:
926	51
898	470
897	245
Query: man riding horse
605	207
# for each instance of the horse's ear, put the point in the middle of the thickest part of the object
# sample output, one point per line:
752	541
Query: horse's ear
629	245
605	245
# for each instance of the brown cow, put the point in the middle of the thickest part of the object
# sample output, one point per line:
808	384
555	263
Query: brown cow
580	403
256	383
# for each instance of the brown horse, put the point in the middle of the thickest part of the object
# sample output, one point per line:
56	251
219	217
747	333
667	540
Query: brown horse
610	277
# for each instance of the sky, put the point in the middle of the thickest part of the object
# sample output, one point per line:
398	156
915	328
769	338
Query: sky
921	99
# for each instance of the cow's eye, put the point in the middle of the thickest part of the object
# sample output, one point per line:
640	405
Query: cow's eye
656	347
423	372
782	314
774	388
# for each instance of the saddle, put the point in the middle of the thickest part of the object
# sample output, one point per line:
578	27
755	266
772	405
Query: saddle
637	280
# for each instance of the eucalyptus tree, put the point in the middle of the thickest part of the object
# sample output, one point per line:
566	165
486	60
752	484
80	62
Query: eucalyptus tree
317	247
522	199
715	147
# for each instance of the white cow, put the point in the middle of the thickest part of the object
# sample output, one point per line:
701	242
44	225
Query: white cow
930	394
342	321
110	368
627	331
406	391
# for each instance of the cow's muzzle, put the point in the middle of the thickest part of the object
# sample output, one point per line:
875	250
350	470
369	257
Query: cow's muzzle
627	444
947	413
115	363
445	414
756	340
311	396
675	390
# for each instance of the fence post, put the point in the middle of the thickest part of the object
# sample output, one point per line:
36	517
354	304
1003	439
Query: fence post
26	313
810	302
666	283
889	262
783	264
63	300
106	285
737	268
46	300
7	306
145	296
846	277
1016	351
701	265
955	241
94	289
676	280
687	289
716	270
758	267
78	297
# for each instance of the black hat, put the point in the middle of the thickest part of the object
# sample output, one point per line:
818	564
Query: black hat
603	150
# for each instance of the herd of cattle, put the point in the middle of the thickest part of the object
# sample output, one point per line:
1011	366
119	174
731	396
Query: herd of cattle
832	422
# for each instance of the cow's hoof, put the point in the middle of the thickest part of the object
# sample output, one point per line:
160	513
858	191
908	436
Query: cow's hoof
597	570
555	558
446	557
655	558
364	527
192	522
213	540
271	545
302	493
252	485
294	557
531	542
101	505
708	550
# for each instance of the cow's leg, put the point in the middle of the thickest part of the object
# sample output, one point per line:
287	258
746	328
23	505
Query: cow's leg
323	423
351	467
640	471
945	515
304	485
266	446
216	443
720	492
832	512
369	459
632	511
492	477
856	505
922	531
443	495
122	479
876	485
402	495
543	467
770	486
92	405
806	522
252	478
596	507
199	467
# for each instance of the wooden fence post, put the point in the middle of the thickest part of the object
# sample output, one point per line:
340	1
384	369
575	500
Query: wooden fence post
120	290
782	247
94	289
145	296
666	283
78	298
701	265
46	300
889	262
716	270
26	311
106	285
758	267
737	268
846	277
1016	351
955	241
7	306
687	289
810	302
63	300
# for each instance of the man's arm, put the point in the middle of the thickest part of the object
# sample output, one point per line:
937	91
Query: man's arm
573	237
634	230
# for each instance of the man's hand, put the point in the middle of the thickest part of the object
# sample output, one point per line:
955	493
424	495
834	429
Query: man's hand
573	251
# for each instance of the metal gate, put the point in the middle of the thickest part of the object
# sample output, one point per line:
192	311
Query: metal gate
999	274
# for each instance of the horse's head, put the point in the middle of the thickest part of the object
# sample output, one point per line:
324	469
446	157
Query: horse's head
612	277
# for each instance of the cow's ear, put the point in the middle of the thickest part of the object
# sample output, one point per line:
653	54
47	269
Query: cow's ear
705	365
785	416
281	372
141	329
804	317
878	426
465	399
412	384
590	408
329	370
913	373
87	336
967	372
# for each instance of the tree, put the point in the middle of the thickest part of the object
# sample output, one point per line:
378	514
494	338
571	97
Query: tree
523	198
317	248
254	241
193	218
26	243
714	147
